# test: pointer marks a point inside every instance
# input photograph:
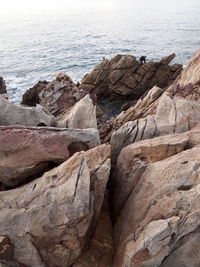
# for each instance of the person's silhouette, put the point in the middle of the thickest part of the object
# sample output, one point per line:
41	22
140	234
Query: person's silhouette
143	59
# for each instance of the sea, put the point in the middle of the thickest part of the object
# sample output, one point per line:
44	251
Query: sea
38	42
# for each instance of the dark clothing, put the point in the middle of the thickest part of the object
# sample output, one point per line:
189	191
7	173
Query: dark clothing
142	59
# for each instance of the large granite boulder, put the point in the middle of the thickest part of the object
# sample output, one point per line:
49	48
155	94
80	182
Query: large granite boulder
2	86
81	116
123	77
55	96
11	114
157	195
49	221
27	152
135	158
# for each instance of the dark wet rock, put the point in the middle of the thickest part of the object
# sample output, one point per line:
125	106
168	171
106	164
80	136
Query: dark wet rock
55	96
2	86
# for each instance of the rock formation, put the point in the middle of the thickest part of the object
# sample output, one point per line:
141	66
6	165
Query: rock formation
2	86
49	221
123	77
81	116
26	152
31	96
152	171
186	86
55	96
11	114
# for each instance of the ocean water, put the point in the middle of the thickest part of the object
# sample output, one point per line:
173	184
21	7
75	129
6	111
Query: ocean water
37	43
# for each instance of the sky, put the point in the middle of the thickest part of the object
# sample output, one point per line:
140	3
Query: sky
42	3
31	3
20	4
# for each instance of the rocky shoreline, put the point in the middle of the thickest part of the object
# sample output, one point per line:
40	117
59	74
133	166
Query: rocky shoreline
104	172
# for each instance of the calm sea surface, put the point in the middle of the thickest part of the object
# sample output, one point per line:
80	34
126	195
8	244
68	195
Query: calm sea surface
36	44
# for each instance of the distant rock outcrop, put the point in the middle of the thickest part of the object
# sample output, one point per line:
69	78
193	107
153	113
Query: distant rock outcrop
123	77
2	86
55	96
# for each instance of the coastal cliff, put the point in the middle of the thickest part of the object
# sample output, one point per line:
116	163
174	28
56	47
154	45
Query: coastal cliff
104	172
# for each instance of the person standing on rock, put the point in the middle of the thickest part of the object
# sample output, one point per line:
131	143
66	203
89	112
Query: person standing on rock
143	59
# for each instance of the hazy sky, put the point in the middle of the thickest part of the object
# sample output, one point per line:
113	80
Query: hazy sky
44	3
57	3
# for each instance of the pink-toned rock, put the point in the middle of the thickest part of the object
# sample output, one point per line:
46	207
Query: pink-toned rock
26	152
49	221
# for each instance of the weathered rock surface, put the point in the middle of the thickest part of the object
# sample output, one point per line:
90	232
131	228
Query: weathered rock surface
49	221
2	86
158	216
124	77
11	114
55	96
81	116
28	152
101	248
